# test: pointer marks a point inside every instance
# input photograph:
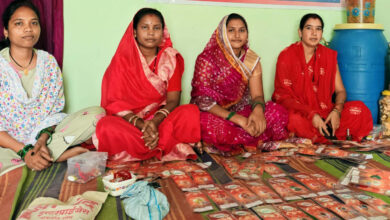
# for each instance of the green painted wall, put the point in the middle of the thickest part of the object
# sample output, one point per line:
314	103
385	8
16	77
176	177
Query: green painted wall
93	29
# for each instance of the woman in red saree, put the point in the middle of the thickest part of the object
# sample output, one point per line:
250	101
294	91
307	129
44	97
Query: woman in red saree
141	93
307	76
227	87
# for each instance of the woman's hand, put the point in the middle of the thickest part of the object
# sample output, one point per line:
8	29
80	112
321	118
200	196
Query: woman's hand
334	119
258	120
150	134
320	124
243	123
41	148
36	160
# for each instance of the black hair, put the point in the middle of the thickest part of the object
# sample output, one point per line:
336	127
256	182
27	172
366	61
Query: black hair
307	17
236	16
147	11
10	10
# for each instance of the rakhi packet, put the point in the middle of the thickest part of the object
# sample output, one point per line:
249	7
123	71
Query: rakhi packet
242	194
221	215
249	170
273	170
129	165
298	140
289	189
268	212
330	183
148	170
202	179
311	151
377	204
313	184
373	180
315	210
359	206
264	192
292	212
306	159
344	211
221	198
244	214
183	166
271	159
231	165
198	201
183	181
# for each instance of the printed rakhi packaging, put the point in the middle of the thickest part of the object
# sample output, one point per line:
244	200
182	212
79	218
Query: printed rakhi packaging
244	214
149	170
221	198
373	180
221	215
377	204
291	212
231	165
273	170
268	212
312	184
359	206
183	181
344	211
198	201
242	194
202	179
289	189
183	166
315	210
249	170
265	193
330	183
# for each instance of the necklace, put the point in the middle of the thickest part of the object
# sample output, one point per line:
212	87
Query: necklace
29	63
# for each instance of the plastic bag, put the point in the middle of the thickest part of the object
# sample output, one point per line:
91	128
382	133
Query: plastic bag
85	206
142	201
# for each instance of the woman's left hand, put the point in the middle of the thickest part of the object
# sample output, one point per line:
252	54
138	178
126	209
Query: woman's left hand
258	120
40	147
334	119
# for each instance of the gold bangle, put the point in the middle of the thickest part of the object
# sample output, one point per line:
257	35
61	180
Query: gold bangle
131	118
135	121
336	110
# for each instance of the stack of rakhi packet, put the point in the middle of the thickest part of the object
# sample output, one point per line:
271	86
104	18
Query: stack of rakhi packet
362	205
312	183
368	179
380	145
289	189
315	210
240	214
333	152
342	210
290	211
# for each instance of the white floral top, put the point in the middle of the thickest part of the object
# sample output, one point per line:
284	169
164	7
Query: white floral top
22	116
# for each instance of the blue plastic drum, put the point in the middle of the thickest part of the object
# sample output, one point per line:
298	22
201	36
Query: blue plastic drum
362	50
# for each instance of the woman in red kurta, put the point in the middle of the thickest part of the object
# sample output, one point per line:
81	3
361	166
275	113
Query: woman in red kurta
307	77
141	92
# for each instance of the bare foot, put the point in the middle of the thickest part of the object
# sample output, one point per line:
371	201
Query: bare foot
71	153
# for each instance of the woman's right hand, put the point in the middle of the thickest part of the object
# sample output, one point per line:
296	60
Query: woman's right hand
320	125
243	123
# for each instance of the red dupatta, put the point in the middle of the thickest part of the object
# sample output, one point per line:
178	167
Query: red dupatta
306	88
130	85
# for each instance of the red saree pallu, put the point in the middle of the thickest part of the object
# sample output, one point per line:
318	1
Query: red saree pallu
130	84
306	89
223	78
